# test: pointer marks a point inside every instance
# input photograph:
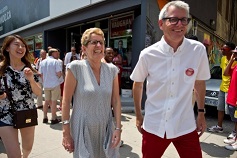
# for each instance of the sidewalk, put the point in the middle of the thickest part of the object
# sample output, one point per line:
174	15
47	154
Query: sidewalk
48	140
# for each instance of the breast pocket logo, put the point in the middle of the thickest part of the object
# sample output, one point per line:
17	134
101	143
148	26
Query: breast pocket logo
189	72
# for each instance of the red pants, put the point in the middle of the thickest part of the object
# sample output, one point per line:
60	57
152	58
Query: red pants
188	146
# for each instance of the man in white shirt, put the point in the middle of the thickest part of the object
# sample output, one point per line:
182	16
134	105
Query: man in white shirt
43	55
172	67
51	71
69	55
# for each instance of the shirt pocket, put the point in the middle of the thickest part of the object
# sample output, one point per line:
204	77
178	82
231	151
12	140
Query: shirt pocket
189	75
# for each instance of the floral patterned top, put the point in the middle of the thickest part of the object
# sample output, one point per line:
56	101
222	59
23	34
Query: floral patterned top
22	93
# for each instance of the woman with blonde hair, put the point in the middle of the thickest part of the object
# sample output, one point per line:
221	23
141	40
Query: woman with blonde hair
94	86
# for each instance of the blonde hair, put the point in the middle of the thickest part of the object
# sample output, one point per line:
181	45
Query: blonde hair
178	4
87	34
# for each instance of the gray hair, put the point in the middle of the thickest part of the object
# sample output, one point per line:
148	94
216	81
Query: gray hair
177	4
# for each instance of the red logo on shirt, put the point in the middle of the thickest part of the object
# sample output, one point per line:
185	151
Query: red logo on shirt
189	72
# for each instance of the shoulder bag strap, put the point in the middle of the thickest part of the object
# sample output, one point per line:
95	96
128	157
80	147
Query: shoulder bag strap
9	94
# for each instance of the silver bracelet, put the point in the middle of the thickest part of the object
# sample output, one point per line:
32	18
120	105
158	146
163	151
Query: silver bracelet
66	122
119	129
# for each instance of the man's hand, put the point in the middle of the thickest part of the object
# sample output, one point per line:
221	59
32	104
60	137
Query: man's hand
139	122
201	123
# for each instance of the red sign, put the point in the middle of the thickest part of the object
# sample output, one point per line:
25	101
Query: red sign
121	26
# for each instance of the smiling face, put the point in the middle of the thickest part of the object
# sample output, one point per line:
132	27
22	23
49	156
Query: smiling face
226	50
174	33
94	48
109	55
16	49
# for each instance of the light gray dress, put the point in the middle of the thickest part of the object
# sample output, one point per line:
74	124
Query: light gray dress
91	121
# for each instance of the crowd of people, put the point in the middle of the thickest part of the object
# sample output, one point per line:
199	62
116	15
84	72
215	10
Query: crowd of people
227	97
89	82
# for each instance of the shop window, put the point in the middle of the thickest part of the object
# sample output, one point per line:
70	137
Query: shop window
120	32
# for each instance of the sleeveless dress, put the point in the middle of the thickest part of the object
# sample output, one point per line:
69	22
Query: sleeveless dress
91	121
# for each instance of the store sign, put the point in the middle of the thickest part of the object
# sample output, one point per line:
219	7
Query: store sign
121	26
14	15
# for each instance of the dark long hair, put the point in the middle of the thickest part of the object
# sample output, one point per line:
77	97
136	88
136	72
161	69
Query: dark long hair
6	61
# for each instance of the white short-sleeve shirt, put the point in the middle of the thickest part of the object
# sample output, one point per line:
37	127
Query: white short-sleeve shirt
49	67
68	57
170	82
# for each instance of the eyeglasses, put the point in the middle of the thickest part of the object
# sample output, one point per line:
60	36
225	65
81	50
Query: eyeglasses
95	42
175	20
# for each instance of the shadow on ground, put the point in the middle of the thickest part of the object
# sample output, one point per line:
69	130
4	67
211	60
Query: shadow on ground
215	150
126	151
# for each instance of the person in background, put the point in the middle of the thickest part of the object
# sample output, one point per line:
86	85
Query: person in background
123	52
108	58
51	71
61	79
169	116
72	59
90	131
117	60
22	83
49	47
109	55
225	83
43	55
232	98
69	55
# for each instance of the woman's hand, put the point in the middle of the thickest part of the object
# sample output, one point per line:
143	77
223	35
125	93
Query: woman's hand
116	138
28	74
68	143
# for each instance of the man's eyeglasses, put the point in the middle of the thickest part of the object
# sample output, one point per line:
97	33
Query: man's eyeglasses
175	20
95	42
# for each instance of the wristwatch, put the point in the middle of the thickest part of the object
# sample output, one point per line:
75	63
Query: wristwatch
201	110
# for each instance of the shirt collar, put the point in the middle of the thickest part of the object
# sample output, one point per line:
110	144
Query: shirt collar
167	48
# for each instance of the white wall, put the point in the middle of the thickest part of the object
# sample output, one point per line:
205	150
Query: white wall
61	7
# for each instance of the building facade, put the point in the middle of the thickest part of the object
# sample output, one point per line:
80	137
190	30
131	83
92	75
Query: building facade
60	24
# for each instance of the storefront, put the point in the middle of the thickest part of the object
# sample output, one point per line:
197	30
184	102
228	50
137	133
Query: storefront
118	35
123	23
